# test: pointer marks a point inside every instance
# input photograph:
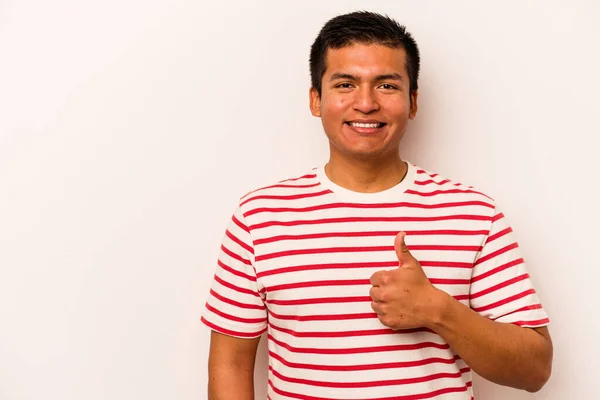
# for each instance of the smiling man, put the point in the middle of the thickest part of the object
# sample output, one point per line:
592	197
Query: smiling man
374	278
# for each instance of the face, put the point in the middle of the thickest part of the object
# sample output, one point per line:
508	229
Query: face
365	101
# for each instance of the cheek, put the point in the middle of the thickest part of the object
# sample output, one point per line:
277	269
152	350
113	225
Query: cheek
335	105
398	107
333	111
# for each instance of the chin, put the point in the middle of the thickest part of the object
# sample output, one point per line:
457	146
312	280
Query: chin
366	154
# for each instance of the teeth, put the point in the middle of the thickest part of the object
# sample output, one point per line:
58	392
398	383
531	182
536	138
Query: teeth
363	125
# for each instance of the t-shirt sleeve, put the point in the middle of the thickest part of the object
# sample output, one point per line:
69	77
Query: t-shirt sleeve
234	305
501	288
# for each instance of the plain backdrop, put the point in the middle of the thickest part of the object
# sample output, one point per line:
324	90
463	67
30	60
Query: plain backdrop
129	129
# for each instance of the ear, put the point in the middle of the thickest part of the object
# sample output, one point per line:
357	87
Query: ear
414	105
315	102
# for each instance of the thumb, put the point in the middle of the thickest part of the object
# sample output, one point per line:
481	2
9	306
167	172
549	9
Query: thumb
402	251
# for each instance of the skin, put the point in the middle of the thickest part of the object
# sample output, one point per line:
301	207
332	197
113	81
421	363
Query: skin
370	82
404	298
502	353
352	91
231	367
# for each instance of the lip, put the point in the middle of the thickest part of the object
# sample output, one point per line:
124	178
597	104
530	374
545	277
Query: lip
366	121
366	131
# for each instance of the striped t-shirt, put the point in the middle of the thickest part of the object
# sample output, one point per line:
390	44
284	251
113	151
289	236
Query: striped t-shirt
296	261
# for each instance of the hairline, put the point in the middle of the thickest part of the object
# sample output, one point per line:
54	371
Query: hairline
386	43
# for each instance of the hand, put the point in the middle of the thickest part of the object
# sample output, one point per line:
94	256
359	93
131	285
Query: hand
404	298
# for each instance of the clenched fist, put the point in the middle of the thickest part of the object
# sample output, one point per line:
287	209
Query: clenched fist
404	298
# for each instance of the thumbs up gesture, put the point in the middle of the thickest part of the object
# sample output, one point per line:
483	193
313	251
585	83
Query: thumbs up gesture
404	298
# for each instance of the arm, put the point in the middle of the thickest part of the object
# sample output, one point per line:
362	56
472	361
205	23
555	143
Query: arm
502	353
235	308
231	367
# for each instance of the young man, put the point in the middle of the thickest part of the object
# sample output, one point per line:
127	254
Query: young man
373	278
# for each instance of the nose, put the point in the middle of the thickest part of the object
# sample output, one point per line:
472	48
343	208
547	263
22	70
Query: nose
365	100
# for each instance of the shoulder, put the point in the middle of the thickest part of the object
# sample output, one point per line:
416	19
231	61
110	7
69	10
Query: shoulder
298	186
428	184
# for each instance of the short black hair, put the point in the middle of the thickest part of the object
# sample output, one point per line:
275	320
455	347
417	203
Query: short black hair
366	28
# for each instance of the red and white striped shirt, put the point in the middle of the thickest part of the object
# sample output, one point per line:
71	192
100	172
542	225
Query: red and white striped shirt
296	261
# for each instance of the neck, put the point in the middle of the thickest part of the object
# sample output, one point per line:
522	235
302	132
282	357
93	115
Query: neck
366	176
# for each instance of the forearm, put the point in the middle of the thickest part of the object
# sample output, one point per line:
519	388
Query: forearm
502	353
230	383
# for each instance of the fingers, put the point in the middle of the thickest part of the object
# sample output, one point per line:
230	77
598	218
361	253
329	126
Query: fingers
400	246
377	308
377	279
405	257
375	294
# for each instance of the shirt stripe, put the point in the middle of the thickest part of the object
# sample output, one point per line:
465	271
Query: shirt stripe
296	261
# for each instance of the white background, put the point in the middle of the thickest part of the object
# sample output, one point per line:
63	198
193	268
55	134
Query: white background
129	129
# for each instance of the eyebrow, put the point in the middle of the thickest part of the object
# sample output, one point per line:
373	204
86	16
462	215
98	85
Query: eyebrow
385	77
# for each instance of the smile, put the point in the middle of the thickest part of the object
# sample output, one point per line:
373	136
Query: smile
366	125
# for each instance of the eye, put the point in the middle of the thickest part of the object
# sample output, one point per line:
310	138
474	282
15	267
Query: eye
387	86
344	85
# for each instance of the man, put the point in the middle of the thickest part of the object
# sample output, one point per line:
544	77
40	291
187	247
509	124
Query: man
373	278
